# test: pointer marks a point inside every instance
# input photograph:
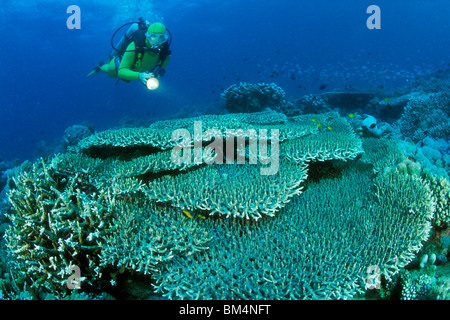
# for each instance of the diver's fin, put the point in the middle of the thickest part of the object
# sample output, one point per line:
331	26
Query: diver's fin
96	69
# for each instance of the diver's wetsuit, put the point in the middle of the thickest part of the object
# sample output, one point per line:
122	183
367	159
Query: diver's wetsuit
129	69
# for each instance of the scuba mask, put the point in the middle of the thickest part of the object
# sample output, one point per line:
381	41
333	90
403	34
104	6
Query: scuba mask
156	40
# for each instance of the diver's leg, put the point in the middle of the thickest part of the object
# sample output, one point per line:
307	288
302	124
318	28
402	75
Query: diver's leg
108	68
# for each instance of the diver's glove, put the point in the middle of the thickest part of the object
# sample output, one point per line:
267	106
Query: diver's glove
144	76
161	72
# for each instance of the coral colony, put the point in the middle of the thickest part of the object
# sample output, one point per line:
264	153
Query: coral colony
200	208
214	152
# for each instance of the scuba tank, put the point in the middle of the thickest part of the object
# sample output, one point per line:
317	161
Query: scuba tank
127	38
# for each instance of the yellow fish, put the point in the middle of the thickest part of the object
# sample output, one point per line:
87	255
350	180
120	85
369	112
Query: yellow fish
386	100
351	115
314	119
319	125
203	217
330	128
187	213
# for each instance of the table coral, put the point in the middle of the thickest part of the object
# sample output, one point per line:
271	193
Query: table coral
318	247
117	203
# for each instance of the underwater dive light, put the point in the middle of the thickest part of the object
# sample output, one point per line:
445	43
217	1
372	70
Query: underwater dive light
152	83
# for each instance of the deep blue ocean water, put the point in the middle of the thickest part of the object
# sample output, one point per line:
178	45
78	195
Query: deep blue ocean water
44	89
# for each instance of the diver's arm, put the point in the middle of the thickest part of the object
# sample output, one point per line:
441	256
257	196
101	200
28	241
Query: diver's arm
124	72
162	68
165	62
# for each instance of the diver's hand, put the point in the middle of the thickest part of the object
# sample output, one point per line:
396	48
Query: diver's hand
161	72
144	76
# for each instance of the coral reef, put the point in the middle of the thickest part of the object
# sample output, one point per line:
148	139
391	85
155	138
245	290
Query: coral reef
117	204
382	153
318	247
426	114
59	220
440	188
249	97
3	168
324	137
75	134
428	283
144	236
230	190
126	141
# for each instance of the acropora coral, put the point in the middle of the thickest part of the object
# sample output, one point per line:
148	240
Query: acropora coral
115	203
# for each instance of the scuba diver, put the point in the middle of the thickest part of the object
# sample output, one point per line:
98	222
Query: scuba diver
142	54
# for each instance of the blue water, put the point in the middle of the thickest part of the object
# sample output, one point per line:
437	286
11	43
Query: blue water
44	89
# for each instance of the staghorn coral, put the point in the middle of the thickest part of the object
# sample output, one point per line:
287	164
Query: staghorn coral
59	220
65	218
249	97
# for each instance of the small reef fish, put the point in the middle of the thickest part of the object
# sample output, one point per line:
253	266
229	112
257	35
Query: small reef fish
187	214
351	115
329	128
201	216
319	125
313	119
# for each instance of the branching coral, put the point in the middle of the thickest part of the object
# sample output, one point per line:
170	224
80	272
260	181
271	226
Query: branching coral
137	141
115	203
331	137
425	115
59	221
381	153
221	122
318	247
440	188
230	190
144	236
